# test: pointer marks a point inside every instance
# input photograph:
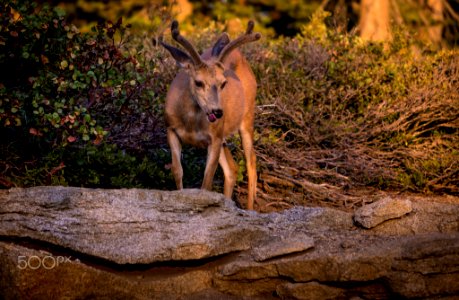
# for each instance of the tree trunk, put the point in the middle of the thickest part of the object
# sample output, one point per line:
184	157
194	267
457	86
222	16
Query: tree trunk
374	23
435	25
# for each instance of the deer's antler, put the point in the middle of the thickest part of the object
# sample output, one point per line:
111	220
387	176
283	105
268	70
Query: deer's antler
247	37
185	44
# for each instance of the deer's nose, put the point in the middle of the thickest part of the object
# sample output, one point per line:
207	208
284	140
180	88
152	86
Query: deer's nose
218	113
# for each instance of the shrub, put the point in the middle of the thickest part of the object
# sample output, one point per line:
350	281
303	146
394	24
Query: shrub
69	95
340	113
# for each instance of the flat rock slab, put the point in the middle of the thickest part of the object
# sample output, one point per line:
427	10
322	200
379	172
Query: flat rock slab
283	245
134	226
372	215
128	226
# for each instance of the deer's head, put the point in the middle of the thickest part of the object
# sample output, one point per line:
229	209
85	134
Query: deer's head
207	78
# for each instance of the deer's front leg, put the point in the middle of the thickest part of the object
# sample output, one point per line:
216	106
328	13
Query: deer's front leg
176	150
213	153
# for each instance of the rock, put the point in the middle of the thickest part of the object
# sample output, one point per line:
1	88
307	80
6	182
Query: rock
128	226
428	264
427	216
299	219
278	246
72	279
372	215
377	269
77	243
309	291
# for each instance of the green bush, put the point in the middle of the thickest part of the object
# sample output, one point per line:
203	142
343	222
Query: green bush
64	79
68	96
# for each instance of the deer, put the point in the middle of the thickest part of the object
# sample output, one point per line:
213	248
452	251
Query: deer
211	98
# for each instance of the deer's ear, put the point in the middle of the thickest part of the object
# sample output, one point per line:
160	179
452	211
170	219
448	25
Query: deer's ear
220	44
182	59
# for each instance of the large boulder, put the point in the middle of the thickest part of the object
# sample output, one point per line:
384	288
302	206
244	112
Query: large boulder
77	243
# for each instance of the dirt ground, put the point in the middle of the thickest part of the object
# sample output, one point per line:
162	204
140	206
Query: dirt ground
273	200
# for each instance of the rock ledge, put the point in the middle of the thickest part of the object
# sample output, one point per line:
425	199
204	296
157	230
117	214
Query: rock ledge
74	243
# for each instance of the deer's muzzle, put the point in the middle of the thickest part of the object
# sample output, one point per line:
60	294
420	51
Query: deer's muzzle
214	115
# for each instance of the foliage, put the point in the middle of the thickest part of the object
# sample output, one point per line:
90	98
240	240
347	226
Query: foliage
346	113
86	14
65	91
283	17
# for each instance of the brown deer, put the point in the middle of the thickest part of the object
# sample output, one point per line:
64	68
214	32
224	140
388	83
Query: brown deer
211	98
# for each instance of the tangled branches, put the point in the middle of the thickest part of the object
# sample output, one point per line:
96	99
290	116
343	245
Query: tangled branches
334	119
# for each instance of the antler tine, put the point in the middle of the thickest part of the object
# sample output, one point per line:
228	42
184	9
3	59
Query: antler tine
161	42
250	26
247	37
185	44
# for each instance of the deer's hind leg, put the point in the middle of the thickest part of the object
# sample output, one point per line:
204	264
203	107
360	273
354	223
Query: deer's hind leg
246	133
230	169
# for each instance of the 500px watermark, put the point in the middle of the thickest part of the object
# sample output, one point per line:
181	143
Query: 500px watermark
46	262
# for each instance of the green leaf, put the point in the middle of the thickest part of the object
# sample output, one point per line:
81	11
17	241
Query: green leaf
59	11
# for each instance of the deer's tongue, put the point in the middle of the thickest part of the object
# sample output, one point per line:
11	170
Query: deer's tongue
211	117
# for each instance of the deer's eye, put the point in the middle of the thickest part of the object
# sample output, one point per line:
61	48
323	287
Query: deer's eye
223	85
199	84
